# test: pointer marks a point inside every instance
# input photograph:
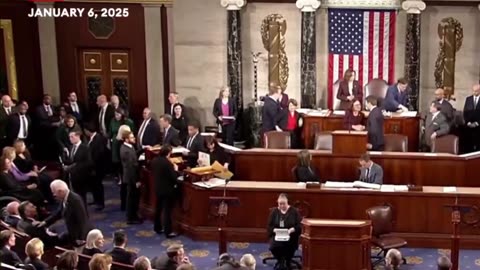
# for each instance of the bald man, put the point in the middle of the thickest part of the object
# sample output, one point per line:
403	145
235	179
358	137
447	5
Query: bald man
446	107
471	115
104	114
13	216
72	210
5	111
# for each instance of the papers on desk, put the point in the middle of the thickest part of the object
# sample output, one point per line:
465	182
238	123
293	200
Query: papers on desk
179	150
229	147
208	134
356	184
213	182
393	188
228	117
450	189
203	159
408	114
281	235
339	112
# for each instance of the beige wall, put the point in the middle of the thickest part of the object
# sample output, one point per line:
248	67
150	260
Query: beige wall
200	37
467	63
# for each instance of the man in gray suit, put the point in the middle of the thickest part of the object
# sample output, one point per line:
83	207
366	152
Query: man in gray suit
436	124
446	107
129	159
370	172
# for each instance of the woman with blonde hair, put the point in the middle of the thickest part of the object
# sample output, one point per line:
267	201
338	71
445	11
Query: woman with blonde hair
100	262
248	261
94	242
34	252
225	111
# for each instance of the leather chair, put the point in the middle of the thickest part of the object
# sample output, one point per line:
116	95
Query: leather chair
396	143
323	141
277	140
375	87
382	226
445	144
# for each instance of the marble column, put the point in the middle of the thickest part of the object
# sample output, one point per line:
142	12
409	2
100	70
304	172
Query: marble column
234	55
412	49
308	70
154	59
48	54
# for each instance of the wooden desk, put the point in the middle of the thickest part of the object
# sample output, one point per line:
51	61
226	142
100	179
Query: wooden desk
398	168
408	126
326	243
349	142
421	217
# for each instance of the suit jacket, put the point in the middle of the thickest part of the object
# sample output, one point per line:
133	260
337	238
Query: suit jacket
42	118
471	113
13	127
217	109
164	176
74	213
109	115
197	145
151	135
81	163
343	93
448	111
4	120
9	256
375	175
283	101
394	98
38	264
82	115
98	152
12	220
26	226
270	111
375	129
164	263
438	124
129	160
121	255
172	137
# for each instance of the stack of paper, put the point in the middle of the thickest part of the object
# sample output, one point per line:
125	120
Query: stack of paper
408	114
356	184
179	150
281	235
449	189
213	182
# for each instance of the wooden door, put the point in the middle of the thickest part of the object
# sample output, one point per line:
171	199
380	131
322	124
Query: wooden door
104	71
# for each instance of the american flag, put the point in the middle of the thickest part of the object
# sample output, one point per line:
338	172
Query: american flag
363	40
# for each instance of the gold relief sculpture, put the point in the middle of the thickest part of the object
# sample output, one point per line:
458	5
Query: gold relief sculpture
273	31
6	26
450	32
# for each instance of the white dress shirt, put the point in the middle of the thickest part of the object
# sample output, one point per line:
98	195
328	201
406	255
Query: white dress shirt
141	131
74	106
23	130
48	109
101	118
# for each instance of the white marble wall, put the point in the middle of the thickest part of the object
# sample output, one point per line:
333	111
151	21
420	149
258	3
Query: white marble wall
467	64
200	38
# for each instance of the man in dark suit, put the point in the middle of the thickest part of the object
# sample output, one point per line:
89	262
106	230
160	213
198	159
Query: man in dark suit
471	115
5	111
370	172
170	134
446	107
129	159
270	111
173	99
18	126
115	102
76	108
28	224
45	127
118	253
104	115
396	98
78	164
149	131
436	124
7	242
97	145
13	216
174	257
195	143
165	179
376	140
74	212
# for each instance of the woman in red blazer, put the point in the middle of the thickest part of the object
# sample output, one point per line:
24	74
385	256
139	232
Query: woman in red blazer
289	120
348	90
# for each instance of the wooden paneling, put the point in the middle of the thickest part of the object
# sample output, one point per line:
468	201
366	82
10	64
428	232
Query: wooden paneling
27	49
129	35
398	168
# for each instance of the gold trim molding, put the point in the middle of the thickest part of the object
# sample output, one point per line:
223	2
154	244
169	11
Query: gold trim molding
6	26
150	2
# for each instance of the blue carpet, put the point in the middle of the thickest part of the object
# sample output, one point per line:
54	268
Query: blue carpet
143	240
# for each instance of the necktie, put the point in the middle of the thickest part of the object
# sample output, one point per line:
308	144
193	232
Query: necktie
49	110
75	107
24	124
367	174
190	141
475	101
102	115
74	149
8	111
166	133
141	131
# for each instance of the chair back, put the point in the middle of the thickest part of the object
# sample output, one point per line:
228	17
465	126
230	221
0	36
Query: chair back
323	141
277	140
396	143
445	144
334	100
376	87
381	218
